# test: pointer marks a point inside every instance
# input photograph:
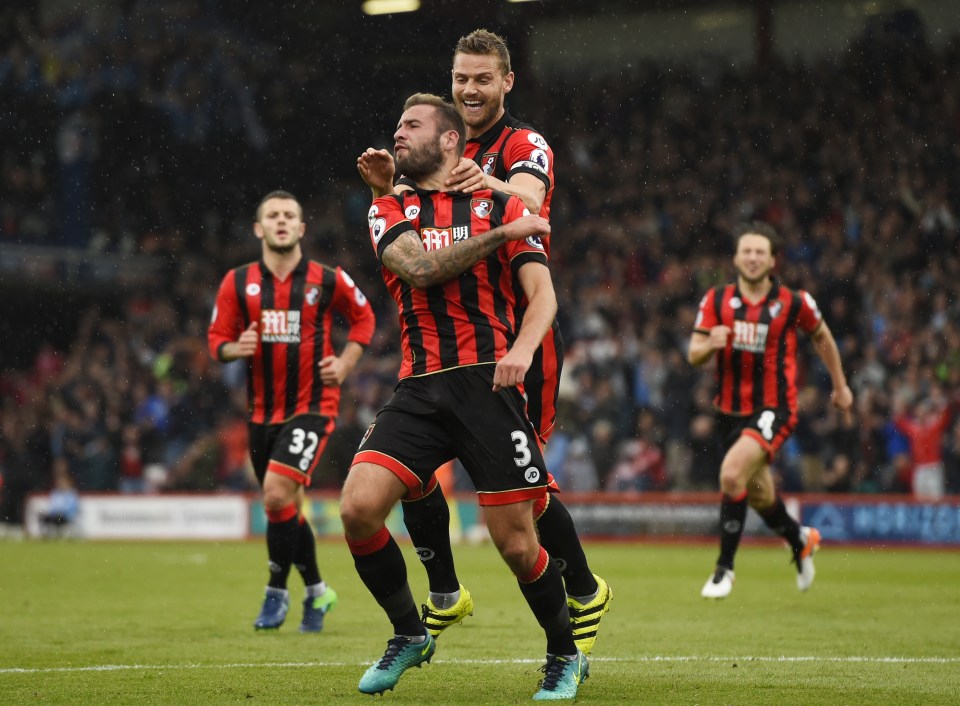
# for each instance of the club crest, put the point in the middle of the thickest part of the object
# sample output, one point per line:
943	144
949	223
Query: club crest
481	207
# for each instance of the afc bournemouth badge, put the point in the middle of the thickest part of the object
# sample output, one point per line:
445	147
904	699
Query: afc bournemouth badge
481	207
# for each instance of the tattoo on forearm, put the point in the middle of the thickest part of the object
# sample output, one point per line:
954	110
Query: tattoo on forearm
406	257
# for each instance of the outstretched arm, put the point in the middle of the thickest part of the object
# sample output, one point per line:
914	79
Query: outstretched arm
826	348
407	259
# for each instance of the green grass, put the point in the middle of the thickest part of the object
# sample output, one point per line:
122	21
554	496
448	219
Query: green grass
123	623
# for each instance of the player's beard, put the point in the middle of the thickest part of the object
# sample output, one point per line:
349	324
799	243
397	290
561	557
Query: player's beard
486	116
422	161
755	280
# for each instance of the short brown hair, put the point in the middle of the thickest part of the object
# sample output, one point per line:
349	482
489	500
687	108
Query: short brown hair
276	194
448	117
757	228
483	42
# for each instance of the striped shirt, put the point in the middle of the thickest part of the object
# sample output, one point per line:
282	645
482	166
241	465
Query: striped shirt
758	367
467	320
295	318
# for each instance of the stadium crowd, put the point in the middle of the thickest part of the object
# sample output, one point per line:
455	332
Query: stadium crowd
855	160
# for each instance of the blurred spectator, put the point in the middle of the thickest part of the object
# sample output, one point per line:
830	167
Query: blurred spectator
639	468
925	429
951	459
809	434
131	461
578	472
64	502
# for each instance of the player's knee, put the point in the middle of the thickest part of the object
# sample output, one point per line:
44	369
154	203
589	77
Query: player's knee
731	480
275	499
356	518
518	553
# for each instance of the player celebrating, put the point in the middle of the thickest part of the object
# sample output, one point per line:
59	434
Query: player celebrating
750	327
278	314
453	276
505	154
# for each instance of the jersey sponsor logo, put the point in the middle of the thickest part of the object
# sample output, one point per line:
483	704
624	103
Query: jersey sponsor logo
377	229
487	162
532	474
280	326
460	233
535	242
312	295
750	336
481	207
537	140
412	211
253	289
435	238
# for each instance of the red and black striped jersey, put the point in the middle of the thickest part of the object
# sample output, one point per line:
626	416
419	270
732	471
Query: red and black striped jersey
512	147
469	319
295	318
758	367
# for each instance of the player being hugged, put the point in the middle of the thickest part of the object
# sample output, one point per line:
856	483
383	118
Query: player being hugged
452	262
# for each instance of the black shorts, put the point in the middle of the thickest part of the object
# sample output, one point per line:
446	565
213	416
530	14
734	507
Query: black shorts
292	449
434	418
770	427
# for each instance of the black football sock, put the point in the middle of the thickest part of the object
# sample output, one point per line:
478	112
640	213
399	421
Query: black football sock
779	520
733	513
545	595
428	521
380	564
305	556
558	535
281	545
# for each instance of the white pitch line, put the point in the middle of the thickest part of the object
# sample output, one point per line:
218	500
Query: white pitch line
298	665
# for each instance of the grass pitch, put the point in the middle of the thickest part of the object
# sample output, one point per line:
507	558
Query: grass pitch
152	623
